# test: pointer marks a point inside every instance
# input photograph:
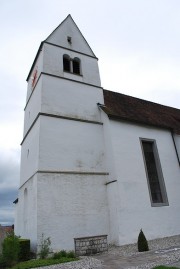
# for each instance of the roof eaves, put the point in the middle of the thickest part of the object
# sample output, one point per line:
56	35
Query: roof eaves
118	118
83	36
58	27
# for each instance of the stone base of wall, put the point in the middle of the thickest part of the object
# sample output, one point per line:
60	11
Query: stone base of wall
90	245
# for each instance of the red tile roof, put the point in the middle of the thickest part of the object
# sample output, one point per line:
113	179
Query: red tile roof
124	107
4	230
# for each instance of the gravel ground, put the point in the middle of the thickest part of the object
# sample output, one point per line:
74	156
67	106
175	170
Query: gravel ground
83	263
165	251
156	244
163	259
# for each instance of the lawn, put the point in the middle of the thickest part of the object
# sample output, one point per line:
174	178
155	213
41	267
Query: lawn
165	267
42	262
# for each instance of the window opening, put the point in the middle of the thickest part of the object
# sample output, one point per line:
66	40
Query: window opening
154	172
71	65
66	63
76	66
69	39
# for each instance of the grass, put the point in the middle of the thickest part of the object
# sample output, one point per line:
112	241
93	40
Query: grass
42	262
165	267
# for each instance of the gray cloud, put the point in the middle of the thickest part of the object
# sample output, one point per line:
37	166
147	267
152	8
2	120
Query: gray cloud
7	197
9	180
7	216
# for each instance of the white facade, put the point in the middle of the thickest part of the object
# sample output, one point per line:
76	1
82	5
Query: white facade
134	210
83	173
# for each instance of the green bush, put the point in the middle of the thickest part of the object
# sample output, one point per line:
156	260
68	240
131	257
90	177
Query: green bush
71	254
10	249
24	253
56	255
64	254
44	247
60	254
2	262
142	242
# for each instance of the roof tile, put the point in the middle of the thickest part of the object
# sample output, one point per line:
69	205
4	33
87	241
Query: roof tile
129	108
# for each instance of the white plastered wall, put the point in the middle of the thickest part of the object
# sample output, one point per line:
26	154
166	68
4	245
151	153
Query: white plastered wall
68	145
66	98
27	212
70	206
33	107
134	208
68	28
53	64
38	65
30	154
112	187
77	203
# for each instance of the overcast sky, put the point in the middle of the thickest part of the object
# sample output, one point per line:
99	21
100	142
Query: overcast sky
137	43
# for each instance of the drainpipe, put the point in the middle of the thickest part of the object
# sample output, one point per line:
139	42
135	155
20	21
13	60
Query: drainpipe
172	134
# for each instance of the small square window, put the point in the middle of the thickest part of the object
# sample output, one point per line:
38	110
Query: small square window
69	39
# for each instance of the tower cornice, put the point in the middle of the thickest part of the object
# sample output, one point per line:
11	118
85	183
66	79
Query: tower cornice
60	77
60	117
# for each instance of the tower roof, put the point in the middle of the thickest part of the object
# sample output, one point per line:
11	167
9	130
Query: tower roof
59	37
68	28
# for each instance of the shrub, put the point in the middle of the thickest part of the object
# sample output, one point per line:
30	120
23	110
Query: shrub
64	254
71	254
56	256
10	249
24	253
60	254
142	242
2	262
44	247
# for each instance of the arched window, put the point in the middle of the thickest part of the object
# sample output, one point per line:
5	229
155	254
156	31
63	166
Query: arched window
76	65
71	65
66	63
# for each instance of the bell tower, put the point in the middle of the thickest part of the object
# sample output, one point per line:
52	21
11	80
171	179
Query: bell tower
63	170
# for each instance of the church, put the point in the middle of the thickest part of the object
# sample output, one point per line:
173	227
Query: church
93	162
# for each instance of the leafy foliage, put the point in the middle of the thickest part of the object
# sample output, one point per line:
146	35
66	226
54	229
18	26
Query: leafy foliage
142	242
44	247
2	262
24	253
64	253
10	249
71	254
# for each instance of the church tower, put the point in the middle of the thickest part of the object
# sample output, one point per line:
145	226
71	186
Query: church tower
63	169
